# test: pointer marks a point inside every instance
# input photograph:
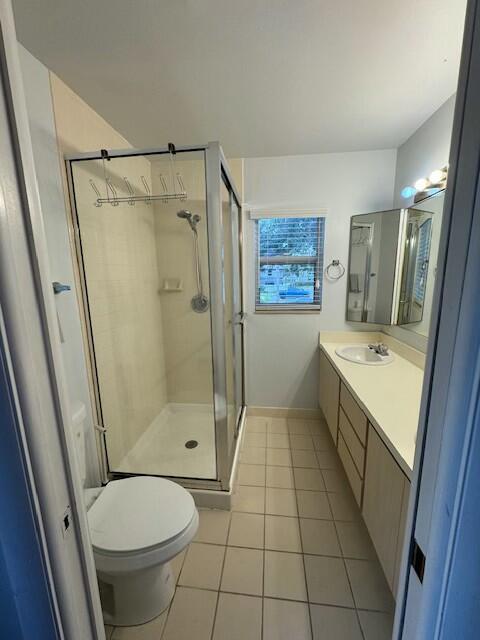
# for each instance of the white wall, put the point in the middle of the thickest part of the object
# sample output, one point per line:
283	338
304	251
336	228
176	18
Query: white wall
281	350
426	149
47	166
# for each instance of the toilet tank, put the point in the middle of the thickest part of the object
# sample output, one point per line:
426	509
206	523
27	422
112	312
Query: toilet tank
79	414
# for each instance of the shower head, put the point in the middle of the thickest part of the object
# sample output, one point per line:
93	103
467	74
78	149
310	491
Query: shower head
192	220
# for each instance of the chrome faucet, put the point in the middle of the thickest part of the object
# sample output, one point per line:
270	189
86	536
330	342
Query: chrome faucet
379	348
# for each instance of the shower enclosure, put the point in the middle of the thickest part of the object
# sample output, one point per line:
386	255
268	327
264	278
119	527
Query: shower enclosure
158	246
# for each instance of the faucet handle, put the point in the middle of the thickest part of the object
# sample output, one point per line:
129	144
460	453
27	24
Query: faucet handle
379	348
382	349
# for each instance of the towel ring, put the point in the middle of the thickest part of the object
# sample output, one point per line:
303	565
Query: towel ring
336	264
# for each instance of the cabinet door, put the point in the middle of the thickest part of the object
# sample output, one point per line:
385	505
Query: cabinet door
329	394
382	502
401	534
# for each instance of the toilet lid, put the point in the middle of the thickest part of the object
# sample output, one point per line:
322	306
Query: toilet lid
138	513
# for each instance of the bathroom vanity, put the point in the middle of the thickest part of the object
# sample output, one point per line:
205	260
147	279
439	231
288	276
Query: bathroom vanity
372	414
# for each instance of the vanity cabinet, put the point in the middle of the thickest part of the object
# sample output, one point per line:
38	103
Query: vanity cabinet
385	500
329	394
380	487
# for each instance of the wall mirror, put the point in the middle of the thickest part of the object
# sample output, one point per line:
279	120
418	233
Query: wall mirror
417	279
392	265
372	266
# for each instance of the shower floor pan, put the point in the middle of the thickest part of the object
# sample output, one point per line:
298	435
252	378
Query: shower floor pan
180	442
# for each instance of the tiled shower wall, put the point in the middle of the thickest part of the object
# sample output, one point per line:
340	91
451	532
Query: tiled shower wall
186	334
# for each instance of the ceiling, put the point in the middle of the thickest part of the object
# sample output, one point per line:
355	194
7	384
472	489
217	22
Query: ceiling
265	77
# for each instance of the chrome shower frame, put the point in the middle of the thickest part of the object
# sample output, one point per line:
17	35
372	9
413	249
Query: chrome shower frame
217	172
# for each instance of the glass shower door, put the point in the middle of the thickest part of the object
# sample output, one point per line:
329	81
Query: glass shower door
233	316
238	318
144	265
224	226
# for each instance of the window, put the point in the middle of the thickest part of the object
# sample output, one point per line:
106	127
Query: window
289	263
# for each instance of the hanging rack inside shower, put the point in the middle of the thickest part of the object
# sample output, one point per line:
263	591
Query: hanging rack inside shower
177	192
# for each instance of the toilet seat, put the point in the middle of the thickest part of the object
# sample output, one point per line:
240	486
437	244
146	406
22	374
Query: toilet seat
140	522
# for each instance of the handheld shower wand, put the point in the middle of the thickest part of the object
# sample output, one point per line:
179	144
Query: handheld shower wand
199	302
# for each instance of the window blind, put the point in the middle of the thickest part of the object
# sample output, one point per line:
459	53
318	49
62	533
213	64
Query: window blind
421	266
289	262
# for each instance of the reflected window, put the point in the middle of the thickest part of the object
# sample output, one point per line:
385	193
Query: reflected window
421	266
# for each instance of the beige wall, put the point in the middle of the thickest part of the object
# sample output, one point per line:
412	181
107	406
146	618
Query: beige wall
123	283
186	334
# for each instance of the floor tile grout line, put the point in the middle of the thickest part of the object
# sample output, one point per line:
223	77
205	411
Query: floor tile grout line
263	578
349	583
221	576
256	595
263	550
304	571
322	555
169	608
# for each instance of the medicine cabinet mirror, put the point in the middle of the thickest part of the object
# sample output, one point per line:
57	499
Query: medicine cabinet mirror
392	265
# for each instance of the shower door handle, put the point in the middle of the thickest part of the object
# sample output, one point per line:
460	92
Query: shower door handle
241	318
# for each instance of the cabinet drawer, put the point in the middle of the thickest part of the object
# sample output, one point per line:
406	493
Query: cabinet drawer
353	412
354	445
350	470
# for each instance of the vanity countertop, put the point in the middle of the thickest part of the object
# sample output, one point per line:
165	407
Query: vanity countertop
389	396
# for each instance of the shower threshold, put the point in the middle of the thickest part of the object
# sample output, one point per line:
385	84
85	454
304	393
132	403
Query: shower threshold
165	448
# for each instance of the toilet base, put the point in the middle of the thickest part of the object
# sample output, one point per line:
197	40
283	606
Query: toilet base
134	598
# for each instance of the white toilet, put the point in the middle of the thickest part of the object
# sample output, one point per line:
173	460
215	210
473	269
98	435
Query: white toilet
137	525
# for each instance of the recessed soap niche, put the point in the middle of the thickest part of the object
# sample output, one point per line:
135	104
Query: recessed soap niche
172	285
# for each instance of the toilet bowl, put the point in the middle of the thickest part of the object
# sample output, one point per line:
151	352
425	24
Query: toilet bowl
137	525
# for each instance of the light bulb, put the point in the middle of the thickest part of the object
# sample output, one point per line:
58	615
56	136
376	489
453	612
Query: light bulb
421	184
437	176
408	192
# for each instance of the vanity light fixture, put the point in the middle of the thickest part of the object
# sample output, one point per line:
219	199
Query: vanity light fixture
437	176
421	184
408	192
424	187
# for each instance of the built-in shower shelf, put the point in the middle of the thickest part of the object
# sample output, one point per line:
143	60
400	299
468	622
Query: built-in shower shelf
172	285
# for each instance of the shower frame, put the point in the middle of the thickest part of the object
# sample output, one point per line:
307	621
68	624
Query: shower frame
217	173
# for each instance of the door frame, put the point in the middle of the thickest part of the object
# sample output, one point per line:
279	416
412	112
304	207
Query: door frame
30	335
449	423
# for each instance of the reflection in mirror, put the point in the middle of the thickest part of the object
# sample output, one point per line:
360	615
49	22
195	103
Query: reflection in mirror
371	269
420	262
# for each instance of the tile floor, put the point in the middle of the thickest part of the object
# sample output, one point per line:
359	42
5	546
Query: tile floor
291	561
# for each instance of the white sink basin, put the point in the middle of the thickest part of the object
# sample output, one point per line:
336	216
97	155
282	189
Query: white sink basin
362	354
